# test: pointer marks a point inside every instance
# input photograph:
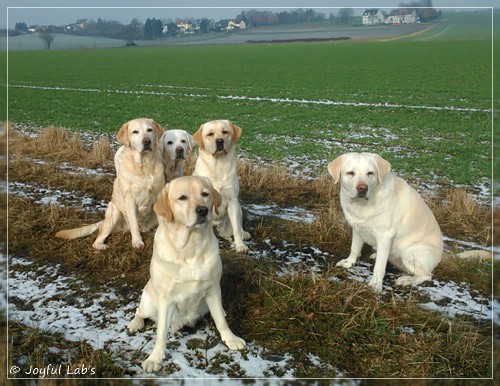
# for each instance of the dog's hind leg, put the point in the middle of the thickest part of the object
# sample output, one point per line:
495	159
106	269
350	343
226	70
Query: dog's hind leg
419	263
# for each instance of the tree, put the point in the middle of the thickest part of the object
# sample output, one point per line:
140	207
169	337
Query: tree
344	15
47	37
132	32
21	28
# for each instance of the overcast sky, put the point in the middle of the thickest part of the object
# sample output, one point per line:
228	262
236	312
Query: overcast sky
31	11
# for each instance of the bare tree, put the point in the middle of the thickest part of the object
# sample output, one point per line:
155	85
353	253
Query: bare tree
344	15
47	37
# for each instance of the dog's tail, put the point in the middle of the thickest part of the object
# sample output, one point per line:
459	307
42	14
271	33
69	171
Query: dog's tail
70	234
478	254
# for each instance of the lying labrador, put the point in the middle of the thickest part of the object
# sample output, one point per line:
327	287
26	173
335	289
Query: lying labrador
185	268
139	179
217	161
386	213
175	147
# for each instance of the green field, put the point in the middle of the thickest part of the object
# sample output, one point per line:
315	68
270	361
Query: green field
424	105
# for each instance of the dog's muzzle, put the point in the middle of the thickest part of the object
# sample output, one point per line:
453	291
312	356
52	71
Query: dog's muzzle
362	190
179	153
146	144
202	214
219	144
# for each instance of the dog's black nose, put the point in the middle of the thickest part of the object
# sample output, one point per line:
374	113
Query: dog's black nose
202	211
147	143
220	143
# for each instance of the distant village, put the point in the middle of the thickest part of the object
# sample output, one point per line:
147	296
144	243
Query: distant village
159	28
399	16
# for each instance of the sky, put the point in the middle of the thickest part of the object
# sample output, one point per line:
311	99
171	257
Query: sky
65	12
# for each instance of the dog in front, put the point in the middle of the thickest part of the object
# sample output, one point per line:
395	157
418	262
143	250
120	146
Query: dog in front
217	161
389	215
185	268
139	179
175	147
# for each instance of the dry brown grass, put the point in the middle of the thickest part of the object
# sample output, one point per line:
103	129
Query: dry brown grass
57	144
461	217
345	324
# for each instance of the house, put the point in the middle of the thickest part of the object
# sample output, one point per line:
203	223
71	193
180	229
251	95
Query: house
232	26
373	16
402	16
185	27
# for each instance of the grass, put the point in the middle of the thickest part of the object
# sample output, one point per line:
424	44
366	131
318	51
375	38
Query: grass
99	90
341	322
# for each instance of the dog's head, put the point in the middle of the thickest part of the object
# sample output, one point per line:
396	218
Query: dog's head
176	144
141	134
188	201
359	173
217	137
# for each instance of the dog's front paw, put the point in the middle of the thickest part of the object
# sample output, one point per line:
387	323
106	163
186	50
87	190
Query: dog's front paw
99	246
151	364
376	285
345	263
241	248
234	343
135	325
246	235
138	244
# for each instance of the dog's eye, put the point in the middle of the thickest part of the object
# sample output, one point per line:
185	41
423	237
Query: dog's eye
370	174
135	132
350	174
210	134
205	194
183	198
183	141
225	132
170	143
149	130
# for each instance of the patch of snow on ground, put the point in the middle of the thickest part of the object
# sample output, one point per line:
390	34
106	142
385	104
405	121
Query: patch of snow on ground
42	297
295	213
48	196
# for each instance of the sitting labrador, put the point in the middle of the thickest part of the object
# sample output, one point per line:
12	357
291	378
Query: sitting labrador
388	214
185	268
217	161
139	179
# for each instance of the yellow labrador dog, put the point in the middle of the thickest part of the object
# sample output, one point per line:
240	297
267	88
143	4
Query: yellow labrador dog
217	161
185	268
386	213
139	179
175	146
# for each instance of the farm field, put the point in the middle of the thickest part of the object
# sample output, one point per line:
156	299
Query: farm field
424	105
430	101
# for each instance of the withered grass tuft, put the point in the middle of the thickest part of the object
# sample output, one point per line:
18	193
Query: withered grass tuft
341	322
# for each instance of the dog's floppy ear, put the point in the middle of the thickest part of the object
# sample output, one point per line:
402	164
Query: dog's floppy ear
162	205
198	137
236	132
217	200
158	130
384	167
334	168
122	135
190	141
